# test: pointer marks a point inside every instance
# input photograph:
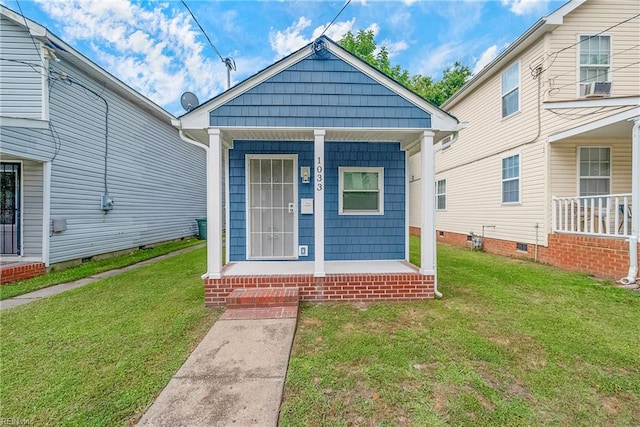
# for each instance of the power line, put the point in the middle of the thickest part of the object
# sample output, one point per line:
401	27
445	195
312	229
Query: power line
336	17
203	32
228	61
29	32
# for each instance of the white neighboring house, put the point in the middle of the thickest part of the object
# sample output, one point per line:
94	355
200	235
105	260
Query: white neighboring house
545	168
74	139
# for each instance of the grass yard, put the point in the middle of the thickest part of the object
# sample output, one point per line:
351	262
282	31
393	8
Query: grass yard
92	267
98	355
512	343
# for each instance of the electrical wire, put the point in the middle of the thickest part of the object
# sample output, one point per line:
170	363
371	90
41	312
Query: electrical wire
603	73
29	32
336	17
203	32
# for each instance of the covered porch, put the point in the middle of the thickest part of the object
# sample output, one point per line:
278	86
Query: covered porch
595	188
314	151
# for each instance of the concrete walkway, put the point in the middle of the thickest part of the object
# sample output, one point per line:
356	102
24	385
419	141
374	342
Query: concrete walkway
57	289
235	377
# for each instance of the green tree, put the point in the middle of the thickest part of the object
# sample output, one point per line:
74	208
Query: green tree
364	45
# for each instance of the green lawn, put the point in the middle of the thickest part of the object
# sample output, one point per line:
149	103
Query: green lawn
511	343
92	267
98	355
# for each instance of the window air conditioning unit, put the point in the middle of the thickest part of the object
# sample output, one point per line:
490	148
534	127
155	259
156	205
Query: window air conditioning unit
595	89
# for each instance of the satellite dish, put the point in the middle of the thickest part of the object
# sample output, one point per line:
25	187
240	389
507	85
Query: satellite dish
189	101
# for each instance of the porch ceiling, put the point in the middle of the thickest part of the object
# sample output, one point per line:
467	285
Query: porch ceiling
616	126
408	138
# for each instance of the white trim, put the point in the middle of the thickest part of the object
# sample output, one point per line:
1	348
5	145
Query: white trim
214	208
635	176
318	215
21	122
428	223
377	169
437	181
624	101
44	82
626	115
227	216
518	88
579	176
407	211
46	212
502	180
247	180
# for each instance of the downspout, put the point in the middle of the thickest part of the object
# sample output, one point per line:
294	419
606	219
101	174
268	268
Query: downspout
185	138
632	275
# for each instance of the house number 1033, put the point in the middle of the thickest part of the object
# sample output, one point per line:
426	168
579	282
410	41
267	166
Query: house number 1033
319	175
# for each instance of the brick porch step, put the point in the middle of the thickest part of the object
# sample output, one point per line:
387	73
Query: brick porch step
262	303
263	297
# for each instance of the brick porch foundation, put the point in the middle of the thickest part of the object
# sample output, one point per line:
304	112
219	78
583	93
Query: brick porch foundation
601	257
338	287
20	271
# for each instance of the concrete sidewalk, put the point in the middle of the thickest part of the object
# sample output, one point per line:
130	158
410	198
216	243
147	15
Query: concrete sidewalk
235	377
57	289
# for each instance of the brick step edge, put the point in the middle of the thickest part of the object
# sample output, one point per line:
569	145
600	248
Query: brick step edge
263	297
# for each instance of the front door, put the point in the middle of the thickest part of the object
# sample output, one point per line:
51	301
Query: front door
10	208
271	219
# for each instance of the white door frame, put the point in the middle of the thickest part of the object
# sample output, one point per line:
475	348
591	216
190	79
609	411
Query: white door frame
247	169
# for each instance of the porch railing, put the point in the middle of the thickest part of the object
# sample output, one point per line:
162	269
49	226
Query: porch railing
605	215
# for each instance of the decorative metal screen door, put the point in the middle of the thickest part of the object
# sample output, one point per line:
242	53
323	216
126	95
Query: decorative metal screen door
10	208
272	207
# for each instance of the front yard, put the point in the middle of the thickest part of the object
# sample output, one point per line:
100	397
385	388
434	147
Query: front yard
511	343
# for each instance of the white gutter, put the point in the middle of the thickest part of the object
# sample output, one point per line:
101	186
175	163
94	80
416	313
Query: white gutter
632	275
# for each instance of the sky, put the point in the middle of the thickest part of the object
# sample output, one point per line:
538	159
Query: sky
156	47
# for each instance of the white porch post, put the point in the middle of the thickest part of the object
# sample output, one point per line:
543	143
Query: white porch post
46	212
428	221
635	178
318	206
214	205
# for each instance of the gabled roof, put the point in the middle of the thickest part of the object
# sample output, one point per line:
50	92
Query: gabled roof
199	117
67	52
543	25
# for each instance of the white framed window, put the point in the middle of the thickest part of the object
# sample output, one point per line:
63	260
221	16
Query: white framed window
594	59
361	191
511	90
594	170
511	179
441	195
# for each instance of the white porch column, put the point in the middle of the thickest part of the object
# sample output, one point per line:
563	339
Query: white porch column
214	205
46	212
428	221
635	178
318	206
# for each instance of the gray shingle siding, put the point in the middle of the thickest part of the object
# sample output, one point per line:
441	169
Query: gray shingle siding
320	93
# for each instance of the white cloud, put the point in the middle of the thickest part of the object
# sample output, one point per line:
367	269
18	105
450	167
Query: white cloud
292	38
437	59
156	51
524	7
487	56
394	48
409	2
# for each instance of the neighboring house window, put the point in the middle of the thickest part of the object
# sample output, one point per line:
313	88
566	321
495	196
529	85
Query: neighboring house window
595	53
441	195
511	90
511	179
595	171
361	191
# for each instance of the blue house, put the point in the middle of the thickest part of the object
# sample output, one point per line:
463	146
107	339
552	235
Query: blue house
311	154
